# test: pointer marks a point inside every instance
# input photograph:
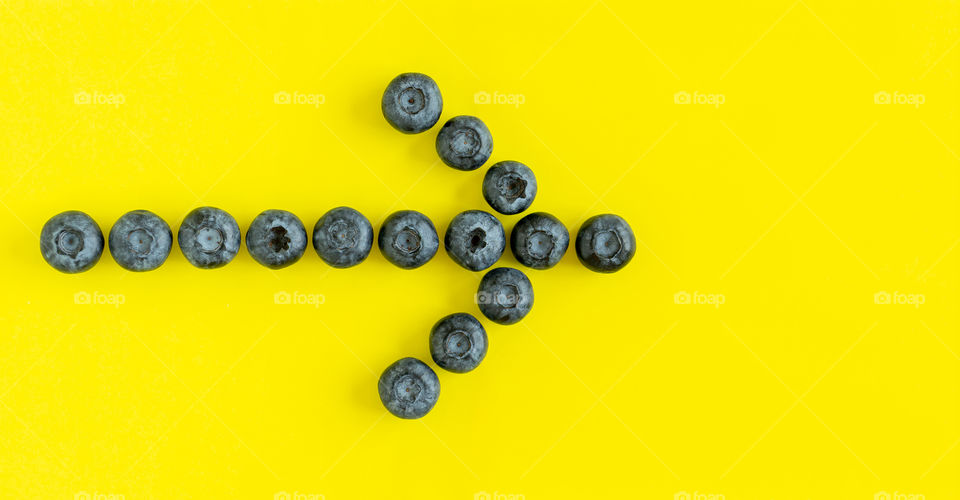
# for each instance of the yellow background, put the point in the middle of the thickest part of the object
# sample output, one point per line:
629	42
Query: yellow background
793	202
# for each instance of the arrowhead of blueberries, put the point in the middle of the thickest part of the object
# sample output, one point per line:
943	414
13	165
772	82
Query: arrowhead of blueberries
475	240
464	143
458	343
505	295
409	388
509	187
539	240
605	243
412	103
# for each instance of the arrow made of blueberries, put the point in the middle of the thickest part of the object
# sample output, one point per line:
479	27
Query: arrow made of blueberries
140	240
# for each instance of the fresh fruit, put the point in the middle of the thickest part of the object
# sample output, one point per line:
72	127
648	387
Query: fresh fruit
71	242
409	388
539	240
276	238
140	241
605	243
412	103
464	143
458	343
408	239
509	187
209	237
343	237
475	240
505	295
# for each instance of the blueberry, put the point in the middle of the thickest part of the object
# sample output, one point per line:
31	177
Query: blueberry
412	103
140	241
209	237
505	295
408	239
509	187
539	240
276	238
71	242
475	240
458	343
409	388
464	143
605	243
343	237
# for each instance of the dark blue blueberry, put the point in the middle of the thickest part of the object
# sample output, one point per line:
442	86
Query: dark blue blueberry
343	237
412	103
509	187
505	295
276	238
209	237
408	239
605	243
539	240
475	240
409	388
140	241
464	143
71	242
458	343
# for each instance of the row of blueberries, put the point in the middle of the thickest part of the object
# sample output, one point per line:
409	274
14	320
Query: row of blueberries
209	238
409	388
